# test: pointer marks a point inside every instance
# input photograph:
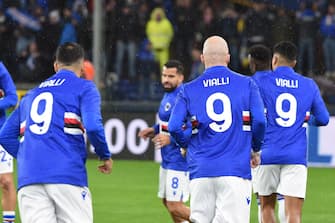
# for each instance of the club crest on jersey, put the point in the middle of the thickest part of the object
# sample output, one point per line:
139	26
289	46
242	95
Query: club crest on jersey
167	106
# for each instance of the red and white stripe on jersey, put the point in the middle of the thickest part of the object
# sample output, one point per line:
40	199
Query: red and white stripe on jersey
246	121
195	124
22	129
72	124
163	128
307	117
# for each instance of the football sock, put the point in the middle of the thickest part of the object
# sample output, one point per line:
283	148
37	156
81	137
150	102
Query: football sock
281	208
8	216
259	210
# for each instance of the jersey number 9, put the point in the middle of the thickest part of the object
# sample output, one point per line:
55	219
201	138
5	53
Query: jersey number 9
286	118
42	119
225	116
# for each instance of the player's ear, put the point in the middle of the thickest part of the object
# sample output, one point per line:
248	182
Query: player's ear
202	58
82	69
181	78
274	61
56	67
294	63
228	58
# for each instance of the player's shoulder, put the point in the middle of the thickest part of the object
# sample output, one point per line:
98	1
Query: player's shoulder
305	79
72	81
242	79
26	97
262	75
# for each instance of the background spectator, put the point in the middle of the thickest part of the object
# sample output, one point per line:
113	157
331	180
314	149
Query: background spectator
242	23
328	32
126	32
160	33
307	20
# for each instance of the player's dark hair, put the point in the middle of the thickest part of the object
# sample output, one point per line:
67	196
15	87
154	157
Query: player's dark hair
69	53
261	56
286	49
175	64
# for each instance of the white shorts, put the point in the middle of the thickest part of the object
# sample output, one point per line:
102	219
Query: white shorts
253	179
289	180
220	200
6	161
173	185
55	203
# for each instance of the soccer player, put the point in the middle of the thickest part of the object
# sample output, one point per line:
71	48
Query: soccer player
173	175
51	121
8	98
291	101
260	65
230	114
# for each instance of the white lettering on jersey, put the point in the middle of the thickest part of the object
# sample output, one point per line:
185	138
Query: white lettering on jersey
286	83
52	83
215	82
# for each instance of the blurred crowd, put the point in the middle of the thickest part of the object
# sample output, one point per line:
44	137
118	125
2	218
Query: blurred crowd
141	35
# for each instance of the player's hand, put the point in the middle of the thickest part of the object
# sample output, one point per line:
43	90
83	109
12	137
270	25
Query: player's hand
2	93
255	159
161	140
147	133
183	152
106	166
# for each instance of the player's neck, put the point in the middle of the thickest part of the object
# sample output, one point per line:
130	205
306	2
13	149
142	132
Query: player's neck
71	68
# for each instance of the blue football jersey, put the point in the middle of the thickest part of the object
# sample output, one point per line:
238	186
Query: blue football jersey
51	121
171	156
8	97
229	113
289	99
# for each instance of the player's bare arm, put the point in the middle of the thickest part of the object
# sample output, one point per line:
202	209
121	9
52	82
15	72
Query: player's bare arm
147	133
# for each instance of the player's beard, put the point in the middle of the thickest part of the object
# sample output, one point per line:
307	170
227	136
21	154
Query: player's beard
169	88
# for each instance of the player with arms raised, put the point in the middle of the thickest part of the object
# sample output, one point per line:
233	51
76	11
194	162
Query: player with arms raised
51	120
230	115
291	101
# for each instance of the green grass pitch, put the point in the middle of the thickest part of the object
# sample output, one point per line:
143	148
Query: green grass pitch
129	194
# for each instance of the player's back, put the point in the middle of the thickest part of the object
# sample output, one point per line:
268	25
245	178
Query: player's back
289	98
53	137
220	102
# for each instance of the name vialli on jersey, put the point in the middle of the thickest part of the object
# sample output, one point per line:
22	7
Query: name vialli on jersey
52	83
215	82
287	83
